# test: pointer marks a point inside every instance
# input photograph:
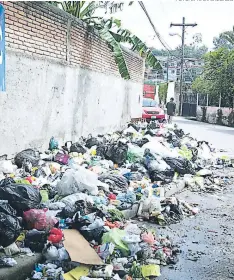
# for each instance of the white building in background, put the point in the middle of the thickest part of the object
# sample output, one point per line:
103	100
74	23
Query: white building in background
171	70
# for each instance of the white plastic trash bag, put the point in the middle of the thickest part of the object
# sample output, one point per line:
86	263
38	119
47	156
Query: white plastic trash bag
159	165
74	181
70	200
7	167
158	148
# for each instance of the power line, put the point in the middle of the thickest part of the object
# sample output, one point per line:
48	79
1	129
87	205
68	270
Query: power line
183	25
162	41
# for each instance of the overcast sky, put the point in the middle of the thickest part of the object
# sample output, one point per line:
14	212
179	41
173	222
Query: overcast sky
212	17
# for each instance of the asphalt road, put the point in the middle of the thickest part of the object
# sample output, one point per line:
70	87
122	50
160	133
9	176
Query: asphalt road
220	136
205	240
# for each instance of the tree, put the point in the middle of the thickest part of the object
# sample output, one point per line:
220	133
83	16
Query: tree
224	40
218	76
162	92
111	31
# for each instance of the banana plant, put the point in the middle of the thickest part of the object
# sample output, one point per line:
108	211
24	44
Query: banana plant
110	30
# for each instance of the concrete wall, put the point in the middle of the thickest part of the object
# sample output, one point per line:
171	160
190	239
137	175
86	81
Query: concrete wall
66	92
211	115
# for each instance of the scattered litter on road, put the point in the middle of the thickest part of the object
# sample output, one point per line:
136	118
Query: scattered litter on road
68	203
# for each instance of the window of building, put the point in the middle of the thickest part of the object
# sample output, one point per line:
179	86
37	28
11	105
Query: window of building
172	71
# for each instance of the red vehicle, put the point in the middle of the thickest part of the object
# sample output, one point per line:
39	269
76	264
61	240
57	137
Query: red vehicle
152	111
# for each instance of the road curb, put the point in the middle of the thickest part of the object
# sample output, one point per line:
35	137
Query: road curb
22	270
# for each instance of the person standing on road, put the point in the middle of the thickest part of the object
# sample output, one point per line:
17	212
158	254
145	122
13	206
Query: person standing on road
171	108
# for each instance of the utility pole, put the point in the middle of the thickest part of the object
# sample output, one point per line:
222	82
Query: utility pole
183	25
167	67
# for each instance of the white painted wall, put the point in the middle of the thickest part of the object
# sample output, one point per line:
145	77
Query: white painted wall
45	98
170	91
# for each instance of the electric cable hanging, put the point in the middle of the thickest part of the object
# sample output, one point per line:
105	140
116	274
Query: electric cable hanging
162	41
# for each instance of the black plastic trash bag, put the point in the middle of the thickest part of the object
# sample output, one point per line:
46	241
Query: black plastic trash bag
179	132
6	181
95	234
114	181
70	210
174	140
153	125
180	165
151	133
28	155
142	142
91	141
164	176
101	150
117	153
21	197
36	240
9	229
6	208
77	148
134	126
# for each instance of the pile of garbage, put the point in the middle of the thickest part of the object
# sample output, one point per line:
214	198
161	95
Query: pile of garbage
60	202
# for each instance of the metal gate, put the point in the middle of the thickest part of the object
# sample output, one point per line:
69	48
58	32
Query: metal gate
189	106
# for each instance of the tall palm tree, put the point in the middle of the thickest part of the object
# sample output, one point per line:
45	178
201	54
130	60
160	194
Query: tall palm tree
110	30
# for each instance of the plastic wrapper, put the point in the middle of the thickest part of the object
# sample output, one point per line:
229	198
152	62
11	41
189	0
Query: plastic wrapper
150	270
115	236
55	235
11	249
148	238
70	200
53	145
105	250
186	153
51	253
7	262
134	248
129	197
132	229
9	229
39	219
28	155
148	206
131	238
74	181
135	153
61	158
21	197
